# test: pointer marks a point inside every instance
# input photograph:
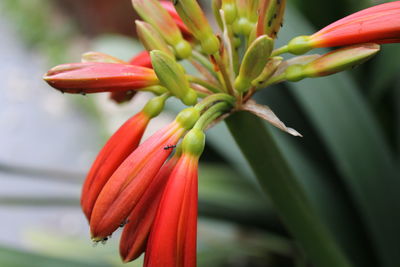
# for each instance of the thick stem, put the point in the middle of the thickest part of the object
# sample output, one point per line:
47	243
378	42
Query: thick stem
280	184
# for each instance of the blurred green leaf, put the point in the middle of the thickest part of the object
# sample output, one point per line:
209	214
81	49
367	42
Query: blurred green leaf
278	181
347	126
10	257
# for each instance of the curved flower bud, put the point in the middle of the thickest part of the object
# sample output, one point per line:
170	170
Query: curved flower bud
378	24
194	18
94	77
333	62
172	241
128	183
153	12
138	225
253	62
172	76
142	59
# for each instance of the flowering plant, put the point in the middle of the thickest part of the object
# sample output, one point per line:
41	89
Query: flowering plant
154	196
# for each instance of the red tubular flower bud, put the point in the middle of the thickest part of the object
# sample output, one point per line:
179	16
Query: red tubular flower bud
136	231
116	150
378	24
129	182
94	77
172	241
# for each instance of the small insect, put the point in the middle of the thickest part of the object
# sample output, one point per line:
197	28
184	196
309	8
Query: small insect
169	147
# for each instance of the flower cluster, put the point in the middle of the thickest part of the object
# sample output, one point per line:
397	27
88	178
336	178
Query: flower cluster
144	189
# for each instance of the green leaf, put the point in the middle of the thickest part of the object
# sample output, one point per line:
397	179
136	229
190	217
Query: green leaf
278	181
347	126
17	258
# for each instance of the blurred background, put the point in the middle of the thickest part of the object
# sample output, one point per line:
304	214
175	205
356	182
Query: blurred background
348	160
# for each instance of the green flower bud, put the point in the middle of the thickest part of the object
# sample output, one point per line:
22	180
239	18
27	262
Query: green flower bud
152	12
155	106
299	45
253	62
194	142
340	60
229	8
333	62
188	117
172	76
194	18
150	38
155	89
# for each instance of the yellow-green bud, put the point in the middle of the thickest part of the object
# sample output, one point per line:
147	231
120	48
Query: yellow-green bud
172	76
154	107
300	45
152	12
150	38
155	89
194	18
333	62
229	8
253	62
188	117
194	142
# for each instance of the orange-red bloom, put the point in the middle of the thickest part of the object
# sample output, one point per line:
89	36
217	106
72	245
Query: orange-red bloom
172	241
115	151
93	77
377	24
136	231
127	185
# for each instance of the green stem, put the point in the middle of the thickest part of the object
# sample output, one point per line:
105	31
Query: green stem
289	198
280	50
211	114
209	86
215	98
225	74
204	62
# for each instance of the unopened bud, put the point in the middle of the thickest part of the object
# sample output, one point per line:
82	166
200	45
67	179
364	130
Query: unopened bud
193	142
270	17
153	12
229	8
194	18
151	39
155	106
253	62
333	62
188	117
172	76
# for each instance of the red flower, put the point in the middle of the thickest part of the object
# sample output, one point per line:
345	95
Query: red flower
172	241
134	236
128	183
93	77
377	24
115	151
